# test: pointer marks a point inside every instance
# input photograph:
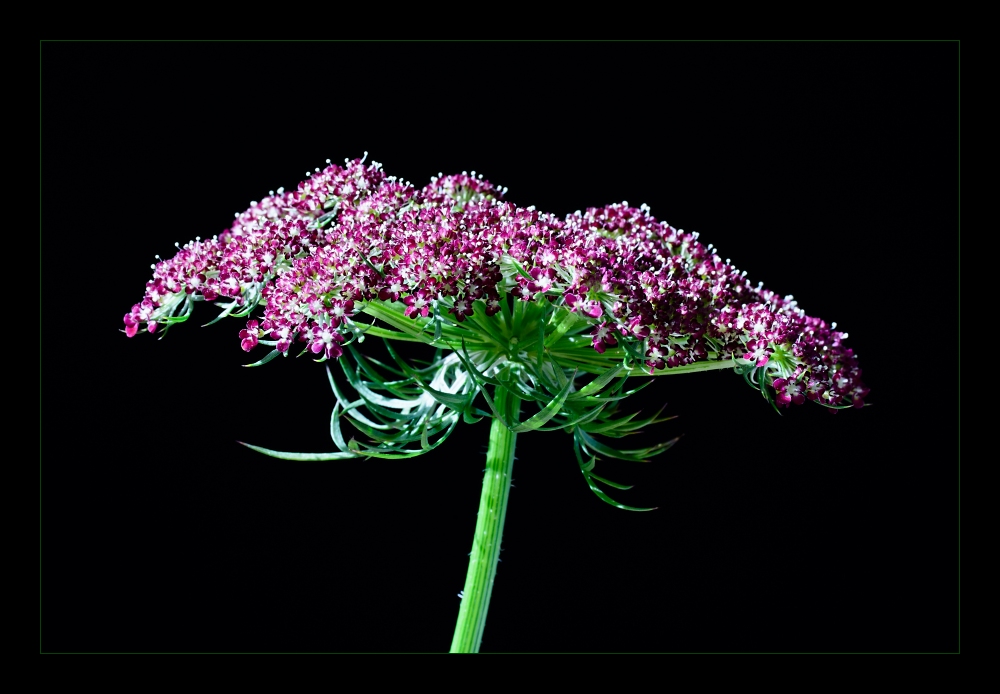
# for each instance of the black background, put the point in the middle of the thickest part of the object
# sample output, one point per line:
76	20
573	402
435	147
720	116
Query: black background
826	170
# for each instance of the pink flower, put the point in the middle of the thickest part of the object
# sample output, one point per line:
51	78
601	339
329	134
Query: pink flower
248	337
602	337
348	235
788	391
588	307
417	304
461	309
326	341
757	352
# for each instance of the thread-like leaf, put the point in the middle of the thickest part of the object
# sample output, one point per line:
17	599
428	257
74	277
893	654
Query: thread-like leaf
607	499
639	455
303	457
562	327
546	413
586	467
268	357
228	309
609	482
597	384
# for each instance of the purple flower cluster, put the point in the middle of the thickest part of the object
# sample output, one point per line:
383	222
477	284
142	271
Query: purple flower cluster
348	235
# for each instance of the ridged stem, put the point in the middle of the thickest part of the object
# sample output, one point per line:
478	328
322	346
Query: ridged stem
489	529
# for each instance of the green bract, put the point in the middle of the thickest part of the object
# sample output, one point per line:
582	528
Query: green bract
536	351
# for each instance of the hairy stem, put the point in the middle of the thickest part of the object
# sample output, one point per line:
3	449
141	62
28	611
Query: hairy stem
489	529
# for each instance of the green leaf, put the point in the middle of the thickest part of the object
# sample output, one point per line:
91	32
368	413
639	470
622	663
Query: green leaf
306	457
471	369
396	319
506	318
642	423
568	321
547	412
367	393
437	322
607	499
402	453
624	425
637	354
424	443
385	334
248	307
639	455
268	357
768	393
365	364
335	433
837	407
229	309
614	397
523	391
520	270
182	313
610	483
574	420
610	424
586	467
540	349
597	384
488	325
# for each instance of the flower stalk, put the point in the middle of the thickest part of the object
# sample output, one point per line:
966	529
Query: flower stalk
489	530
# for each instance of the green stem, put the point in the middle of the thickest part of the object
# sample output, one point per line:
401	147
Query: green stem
489	529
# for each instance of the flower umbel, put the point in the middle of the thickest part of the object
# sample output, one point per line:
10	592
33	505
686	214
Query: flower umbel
522	307
350	240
